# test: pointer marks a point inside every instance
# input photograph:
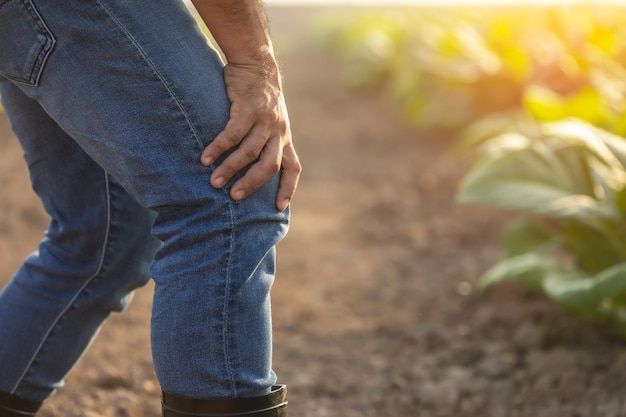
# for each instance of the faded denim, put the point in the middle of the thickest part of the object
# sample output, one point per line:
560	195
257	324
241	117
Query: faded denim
113	102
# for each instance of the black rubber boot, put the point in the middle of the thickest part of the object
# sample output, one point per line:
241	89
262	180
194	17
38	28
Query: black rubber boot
273	404
12	406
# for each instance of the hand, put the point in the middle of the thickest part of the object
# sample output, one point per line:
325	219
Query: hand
259	128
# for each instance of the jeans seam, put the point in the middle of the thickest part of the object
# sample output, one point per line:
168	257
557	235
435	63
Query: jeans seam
81	289
227	303
158	73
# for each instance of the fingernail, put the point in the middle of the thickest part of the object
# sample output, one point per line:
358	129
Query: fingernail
238	195
207	160
219	182
284	204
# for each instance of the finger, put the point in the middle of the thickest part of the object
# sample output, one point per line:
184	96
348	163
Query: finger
260	172
249	151
289	178
233	134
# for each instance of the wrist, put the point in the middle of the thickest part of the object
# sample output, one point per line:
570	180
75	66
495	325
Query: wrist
264	65
261	55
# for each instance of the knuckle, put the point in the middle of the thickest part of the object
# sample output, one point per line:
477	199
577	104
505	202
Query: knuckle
269	114
268	168
294	166
232	138
273	166
250	153
276	120
282	125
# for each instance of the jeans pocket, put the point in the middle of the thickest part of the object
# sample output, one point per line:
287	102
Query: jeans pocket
25	41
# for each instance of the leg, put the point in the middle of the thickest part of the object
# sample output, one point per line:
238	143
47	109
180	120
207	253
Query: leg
135	84
97	250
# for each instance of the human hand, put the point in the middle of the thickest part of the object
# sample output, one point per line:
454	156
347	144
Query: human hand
259	128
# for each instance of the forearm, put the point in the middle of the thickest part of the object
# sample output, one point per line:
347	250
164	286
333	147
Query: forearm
258	130
240	29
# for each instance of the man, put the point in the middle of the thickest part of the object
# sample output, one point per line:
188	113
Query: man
152	159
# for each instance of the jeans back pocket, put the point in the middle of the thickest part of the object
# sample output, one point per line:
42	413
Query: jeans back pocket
25	41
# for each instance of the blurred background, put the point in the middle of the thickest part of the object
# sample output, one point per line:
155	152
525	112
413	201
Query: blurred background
458	243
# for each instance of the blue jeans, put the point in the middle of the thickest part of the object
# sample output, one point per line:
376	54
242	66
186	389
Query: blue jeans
113	102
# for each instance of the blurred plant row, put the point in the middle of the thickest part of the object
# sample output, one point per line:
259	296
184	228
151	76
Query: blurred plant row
543	91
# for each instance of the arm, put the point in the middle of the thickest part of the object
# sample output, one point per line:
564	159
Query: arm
259	123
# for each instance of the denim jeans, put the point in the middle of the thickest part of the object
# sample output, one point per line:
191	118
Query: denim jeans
113	102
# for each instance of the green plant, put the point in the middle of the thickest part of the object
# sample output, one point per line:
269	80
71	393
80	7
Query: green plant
447	68
543	92
569	178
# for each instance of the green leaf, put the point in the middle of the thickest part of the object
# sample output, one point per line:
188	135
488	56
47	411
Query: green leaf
526	236
578	170
484	130
584	293
593	248
521	180
529	269
614	144
600	143
515	156
537	198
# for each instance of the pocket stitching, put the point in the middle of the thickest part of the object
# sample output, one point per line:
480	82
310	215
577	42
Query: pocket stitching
32	74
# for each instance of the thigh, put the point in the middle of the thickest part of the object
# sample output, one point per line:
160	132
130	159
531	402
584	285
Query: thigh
86	206
70	185
136	85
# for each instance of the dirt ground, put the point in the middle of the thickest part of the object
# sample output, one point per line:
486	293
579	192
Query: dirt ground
375	306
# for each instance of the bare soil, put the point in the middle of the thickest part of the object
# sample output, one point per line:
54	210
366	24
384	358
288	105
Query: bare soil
376	308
